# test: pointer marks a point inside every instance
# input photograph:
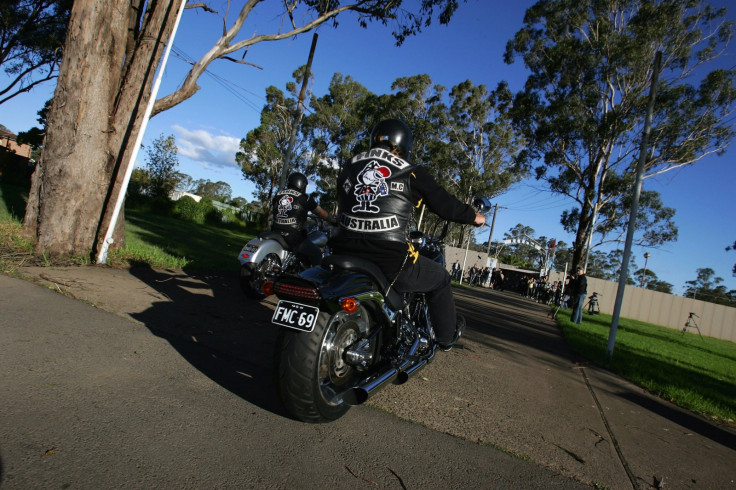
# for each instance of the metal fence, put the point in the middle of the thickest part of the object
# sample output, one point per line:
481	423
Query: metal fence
664	309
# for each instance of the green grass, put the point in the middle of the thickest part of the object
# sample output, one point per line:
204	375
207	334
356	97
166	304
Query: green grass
693	372
171	243
12	203
158	241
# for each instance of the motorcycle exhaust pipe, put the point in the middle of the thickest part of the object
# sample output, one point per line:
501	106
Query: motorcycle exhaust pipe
360	394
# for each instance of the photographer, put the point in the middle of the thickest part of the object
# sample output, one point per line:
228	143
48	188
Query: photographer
578	291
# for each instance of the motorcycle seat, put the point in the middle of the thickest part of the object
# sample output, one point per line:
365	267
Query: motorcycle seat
394	299
274	235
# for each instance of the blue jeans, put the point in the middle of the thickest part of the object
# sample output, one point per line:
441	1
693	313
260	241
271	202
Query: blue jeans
577	308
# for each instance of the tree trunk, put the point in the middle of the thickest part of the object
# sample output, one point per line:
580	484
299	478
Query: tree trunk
582	235
96	113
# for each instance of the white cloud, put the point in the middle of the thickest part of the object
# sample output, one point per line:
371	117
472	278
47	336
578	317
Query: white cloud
206	149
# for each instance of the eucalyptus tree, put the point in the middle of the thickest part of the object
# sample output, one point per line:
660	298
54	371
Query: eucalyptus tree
655	221
583	106
105	82
32	34
264	149
707	287
481	146
338	121
648	279
732	247
161	164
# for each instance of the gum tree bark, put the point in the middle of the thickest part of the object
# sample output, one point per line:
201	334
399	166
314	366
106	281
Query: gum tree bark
95	115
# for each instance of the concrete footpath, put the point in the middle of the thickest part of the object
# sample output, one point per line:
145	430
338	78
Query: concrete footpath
512	388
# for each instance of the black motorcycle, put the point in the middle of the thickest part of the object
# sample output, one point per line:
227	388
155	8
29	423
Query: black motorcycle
345	333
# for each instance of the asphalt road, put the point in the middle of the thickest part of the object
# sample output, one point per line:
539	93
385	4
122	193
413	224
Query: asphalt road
94	400
166	382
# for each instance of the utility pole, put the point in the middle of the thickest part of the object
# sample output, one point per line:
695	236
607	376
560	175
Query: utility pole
643	152
493	224
286	169
107	240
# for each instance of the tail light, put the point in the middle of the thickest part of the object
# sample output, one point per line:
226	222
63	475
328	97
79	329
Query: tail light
350	305
296	291
267	288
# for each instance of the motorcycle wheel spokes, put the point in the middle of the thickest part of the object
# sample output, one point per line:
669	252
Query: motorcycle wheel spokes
334	374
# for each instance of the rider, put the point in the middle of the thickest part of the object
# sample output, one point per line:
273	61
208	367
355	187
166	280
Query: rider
290	209
378	191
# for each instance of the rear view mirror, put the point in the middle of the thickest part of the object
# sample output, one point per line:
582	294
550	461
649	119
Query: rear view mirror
481	204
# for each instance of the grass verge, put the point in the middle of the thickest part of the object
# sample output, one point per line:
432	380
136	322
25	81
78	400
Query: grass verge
158	241
696	373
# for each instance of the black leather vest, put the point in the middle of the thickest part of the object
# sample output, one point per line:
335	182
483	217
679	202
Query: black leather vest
289	210
375	197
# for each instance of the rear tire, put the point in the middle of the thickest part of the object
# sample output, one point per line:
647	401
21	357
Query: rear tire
309	367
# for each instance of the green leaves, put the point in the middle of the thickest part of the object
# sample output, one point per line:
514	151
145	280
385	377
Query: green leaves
583	107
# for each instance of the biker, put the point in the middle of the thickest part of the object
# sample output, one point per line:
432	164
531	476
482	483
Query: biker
290	209
378	191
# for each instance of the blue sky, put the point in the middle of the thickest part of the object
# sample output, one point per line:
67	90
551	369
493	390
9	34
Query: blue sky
209	126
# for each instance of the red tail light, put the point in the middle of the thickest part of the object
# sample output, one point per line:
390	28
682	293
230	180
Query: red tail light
296	291
267	288
350	305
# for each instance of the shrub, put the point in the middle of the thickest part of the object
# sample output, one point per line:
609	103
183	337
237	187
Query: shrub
188	209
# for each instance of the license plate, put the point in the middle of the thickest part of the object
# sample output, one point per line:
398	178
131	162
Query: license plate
295	315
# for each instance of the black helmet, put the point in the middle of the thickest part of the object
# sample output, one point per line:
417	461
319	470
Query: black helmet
297	181
392	134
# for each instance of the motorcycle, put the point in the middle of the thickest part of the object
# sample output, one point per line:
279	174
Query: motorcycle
345	333
268	255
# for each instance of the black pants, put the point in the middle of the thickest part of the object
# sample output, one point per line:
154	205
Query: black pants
427	276
304	248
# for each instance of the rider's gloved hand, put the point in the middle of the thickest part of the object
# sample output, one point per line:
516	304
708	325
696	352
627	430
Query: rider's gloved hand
480	220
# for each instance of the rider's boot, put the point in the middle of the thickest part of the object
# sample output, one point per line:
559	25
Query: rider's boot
459	329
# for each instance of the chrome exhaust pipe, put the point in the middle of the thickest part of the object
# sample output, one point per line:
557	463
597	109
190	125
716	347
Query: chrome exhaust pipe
361	393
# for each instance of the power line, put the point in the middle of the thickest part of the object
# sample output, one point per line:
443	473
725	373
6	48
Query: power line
239	92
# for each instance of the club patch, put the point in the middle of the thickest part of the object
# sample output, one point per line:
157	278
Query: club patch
370	225
284	206
371	185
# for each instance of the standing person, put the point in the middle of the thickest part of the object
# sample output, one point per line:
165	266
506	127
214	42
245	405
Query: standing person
290	209
578	291
456	271
378	191
473	274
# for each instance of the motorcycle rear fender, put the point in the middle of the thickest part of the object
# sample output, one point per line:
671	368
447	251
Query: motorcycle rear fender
334	285
258	248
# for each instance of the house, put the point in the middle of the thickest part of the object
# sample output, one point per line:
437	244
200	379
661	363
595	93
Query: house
9	141
176	195
16	165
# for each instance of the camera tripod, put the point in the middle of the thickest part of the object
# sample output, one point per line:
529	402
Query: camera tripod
691	323
593	308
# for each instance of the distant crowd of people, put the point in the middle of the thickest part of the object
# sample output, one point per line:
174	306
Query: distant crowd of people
541	290
478	276
571	294
536	288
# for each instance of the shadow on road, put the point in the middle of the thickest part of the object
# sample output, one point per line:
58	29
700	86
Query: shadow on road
504	321
216	329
